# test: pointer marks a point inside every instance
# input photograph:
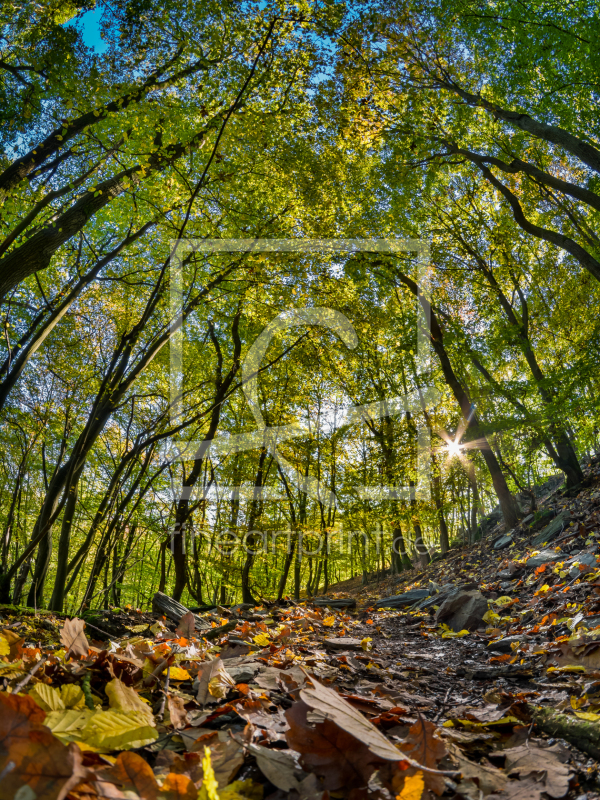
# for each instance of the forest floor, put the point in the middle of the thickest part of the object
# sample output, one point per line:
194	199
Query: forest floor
391	698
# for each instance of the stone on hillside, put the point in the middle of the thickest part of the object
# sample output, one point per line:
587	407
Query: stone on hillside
591	622
243	673
403	600
552	530
463	611
505	645
343	643
588	560
446	591
503	541
527	519
545	557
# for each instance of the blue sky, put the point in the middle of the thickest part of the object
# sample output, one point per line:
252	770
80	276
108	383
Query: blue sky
89	24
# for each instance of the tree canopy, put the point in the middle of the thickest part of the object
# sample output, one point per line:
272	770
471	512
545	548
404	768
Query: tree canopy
313	134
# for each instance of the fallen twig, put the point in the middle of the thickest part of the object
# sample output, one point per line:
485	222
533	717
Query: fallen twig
161	710
29	675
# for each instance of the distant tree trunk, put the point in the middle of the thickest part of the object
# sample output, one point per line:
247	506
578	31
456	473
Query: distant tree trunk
255	514
163	565
510	509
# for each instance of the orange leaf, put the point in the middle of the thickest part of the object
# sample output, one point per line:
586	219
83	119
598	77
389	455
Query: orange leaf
133	774
178	787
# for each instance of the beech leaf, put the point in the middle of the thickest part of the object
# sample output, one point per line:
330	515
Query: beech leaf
73	637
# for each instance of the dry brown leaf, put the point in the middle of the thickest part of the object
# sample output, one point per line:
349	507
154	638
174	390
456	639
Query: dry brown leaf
519	790
73	637
327	704
279	766
329	751
488	778
423	746
542	763
186	626
177	712
207	671
132	774
41	762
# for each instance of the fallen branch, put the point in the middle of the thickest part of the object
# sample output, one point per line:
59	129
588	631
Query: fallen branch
214	633
584	735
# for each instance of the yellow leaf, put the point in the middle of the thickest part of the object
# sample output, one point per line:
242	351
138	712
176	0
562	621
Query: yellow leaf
124	698
329	621
158	627
179	674
587	715
68	725
118	730
72	696
503	601
138	628
4	646
209	789
242	790
491	616
413	787
568	668
47	697
262	640
14	670
452	635
216	687
148	668
366	643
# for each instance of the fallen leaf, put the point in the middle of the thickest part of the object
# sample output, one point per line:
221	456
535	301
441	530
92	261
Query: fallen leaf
424	747
412	787
133	774
186	626
179	674
177	787
329	751
544	764
73	637
118	730
47	697
177	712
279	766
327	704
33	762
124	698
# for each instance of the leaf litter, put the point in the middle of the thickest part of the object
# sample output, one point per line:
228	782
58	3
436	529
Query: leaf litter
388	699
